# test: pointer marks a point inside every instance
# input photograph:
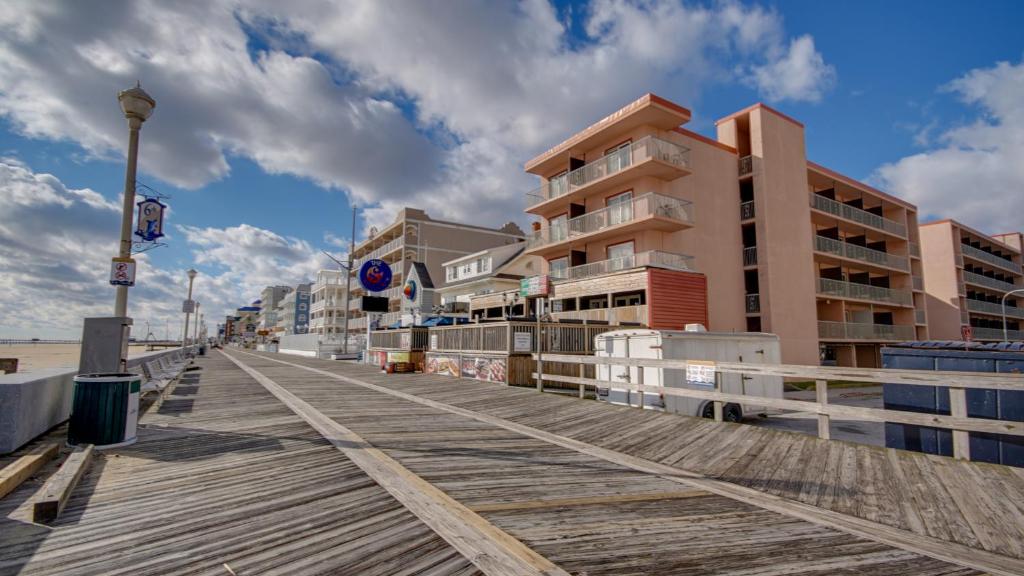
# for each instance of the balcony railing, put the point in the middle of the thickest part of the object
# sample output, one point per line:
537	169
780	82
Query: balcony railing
919	317
616	315
646	205
839	248
979	280
857	215
972	252
652	258
965	317
996	334
747	210
917	283
746	165
647	148
750	256
753	303
994	308
840	289
378	252
914	248
855	331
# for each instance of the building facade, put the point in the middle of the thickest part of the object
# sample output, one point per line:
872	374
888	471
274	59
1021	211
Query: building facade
270	298
416	237
474	282
968	273
327	303
636	215
293	312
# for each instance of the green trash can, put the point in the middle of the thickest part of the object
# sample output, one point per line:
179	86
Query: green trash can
105	410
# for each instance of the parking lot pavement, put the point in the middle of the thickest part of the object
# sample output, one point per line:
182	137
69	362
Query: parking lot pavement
851	430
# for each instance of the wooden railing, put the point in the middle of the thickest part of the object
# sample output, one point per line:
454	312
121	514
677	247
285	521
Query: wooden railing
957	382
501	337
400	339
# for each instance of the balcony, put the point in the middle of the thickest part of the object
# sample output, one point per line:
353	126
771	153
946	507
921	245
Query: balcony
747	210
855	331
379	252
994	309
652	258
649	156
746	165
650	211
917	283
997	334
919	318
982	256
750	256
753	303
855	291
915	249
986	282
860	253
629	314
863	217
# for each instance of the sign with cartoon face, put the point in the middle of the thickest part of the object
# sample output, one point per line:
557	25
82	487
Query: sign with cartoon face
150	220
375	275
410	290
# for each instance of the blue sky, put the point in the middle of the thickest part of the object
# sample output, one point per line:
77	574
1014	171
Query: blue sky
269	117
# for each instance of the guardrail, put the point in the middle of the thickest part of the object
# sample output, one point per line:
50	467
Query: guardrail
957	382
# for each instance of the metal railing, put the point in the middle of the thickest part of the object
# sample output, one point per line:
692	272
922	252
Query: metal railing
647	148
652	258
919	317
914	249
753	303
746	165
391	246
980	280
965	317
750	256
646	205
917	283
747	210
858	331
840	248
840	289
996	334
847	212
978	254
994	308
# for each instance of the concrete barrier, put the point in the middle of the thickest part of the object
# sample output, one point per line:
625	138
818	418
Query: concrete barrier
33	402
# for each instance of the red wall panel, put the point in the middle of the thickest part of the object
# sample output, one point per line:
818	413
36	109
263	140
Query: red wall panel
676	298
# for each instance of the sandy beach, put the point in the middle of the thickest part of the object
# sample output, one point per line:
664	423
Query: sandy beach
33	357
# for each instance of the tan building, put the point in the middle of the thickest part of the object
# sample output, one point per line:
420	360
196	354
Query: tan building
636	212
968	273
327	303
416	237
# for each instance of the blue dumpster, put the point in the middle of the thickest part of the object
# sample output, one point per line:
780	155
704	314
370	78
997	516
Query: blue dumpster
994	404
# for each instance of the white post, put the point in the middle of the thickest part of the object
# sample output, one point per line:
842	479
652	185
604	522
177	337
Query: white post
540	346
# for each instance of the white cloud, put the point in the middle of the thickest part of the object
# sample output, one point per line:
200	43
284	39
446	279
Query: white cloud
975	173
800	73
55	248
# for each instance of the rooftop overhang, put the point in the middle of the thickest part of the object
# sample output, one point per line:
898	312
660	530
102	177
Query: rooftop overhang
649	110
821	175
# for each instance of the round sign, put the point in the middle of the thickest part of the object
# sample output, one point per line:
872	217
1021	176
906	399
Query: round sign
375	275
410	290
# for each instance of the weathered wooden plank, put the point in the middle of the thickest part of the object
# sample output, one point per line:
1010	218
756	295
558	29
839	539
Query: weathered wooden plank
49	502
12	475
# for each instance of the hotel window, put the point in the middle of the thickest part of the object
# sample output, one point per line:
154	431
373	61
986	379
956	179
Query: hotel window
617	157
620	208
559	267
558	227
620	256
558	185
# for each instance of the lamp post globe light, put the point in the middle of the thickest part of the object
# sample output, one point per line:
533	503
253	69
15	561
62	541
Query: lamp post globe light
137	106
188	305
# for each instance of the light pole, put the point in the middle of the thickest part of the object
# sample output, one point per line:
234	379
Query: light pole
188	305
347	268
137	107
1005	332
195	333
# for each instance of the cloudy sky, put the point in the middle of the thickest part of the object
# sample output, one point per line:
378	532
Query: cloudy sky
271	116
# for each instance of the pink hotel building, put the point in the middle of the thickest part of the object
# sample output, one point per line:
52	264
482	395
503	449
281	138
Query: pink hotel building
635	204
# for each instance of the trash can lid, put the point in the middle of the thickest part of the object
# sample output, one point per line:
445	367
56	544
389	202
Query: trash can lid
107	376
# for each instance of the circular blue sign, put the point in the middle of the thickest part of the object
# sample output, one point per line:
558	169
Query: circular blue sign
375	275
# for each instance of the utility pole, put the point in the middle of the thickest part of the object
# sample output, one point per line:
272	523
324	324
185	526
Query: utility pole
348	273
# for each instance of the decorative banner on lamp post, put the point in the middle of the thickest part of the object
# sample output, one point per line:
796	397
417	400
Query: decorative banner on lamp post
375	275
150	220
122	272
410	291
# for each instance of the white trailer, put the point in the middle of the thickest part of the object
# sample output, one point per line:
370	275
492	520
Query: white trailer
743	347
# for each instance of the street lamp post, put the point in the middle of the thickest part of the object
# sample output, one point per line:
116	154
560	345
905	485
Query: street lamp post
348	274
195	333
188	302
1005	331
137	107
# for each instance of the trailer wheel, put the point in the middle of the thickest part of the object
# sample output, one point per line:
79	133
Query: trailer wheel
730	412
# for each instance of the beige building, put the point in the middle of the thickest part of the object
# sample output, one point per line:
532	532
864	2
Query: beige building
968	273
327	303
416	237
485	280
636	213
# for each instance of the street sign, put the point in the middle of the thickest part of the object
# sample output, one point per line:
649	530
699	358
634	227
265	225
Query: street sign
534	286
700	372
375	275
188	306
122	272
966	333
150	219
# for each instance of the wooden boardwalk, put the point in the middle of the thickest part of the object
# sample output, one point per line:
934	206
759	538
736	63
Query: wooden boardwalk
319	467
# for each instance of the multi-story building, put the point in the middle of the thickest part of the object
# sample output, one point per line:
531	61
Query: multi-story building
636	213
416	237
293	312
270	298
477	283
968	273
327	303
